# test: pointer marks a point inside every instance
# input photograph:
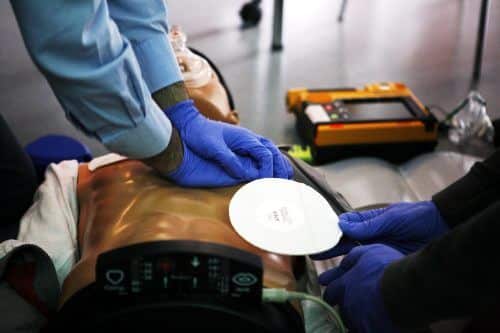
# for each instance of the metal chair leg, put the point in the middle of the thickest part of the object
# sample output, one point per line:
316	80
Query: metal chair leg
277	44
343	6
478	56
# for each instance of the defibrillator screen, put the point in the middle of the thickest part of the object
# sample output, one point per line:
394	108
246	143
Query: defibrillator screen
373	109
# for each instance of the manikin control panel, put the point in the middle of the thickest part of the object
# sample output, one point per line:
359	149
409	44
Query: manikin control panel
181	270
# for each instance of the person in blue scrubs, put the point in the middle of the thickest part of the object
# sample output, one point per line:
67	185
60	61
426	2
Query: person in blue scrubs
112	68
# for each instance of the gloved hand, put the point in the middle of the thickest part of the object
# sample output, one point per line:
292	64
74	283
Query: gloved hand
178	163
405	226
225	146
355	286
196	171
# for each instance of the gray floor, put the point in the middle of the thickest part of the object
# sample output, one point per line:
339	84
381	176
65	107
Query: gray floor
427	44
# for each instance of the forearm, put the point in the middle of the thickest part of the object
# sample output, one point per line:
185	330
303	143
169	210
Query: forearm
452	277
94	73
168	160
170	95
472	193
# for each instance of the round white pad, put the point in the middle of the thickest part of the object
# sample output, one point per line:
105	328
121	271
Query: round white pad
284	217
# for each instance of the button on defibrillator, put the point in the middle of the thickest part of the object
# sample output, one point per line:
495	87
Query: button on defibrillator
115	276
244	279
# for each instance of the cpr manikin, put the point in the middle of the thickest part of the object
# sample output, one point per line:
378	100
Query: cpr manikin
81	212
126	202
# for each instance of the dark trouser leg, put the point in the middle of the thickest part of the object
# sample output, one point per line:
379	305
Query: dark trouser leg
18	182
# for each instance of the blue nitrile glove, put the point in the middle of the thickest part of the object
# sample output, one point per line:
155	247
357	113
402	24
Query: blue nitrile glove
227	146
405	226
195	171
355	286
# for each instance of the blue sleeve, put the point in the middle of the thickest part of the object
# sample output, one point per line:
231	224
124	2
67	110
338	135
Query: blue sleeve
94	73
145	25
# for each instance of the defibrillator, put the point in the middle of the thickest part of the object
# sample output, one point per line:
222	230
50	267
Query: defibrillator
382	119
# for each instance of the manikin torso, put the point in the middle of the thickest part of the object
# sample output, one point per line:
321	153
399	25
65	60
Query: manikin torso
128	203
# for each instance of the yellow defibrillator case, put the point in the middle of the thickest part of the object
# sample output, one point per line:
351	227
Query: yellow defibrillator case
381	119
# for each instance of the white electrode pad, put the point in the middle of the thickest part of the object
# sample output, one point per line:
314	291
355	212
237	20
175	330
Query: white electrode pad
284	217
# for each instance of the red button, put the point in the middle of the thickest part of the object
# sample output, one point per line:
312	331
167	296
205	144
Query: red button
165	266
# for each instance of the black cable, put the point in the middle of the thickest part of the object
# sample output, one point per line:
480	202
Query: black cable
219	75
457	109
448	115
441	110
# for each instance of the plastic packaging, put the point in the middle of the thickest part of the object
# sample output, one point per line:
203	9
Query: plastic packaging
471	122
202	83
195	70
